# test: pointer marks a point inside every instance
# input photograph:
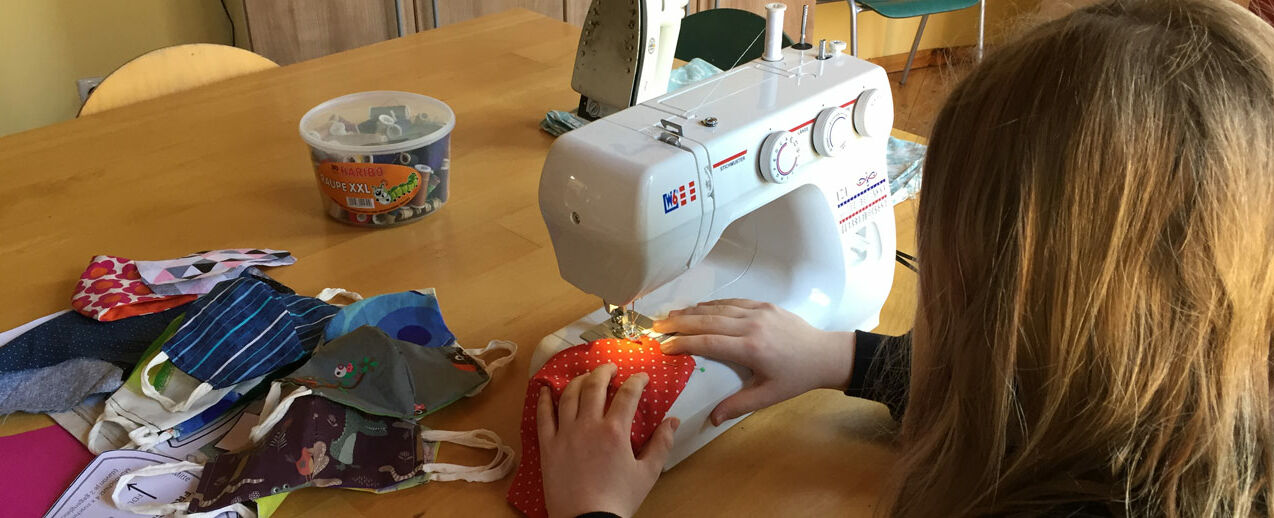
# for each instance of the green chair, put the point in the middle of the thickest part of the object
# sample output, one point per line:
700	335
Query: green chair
910	9
724	37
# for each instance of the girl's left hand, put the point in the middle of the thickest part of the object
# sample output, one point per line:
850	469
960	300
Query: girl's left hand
586	455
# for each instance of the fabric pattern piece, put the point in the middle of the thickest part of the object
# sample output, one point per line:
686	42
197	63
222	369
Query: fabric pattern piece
668	376
372	372
111	289
71	335
244	329
412	316
57	388
318	443
200	272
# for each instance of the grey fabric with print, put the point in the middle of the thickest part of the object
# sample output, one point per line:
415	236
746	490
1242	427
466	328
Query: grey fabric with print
373	372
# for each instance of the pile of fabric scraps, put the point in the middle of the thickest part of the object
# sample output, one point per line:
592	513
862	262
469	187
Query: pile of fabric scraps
557	122
230	390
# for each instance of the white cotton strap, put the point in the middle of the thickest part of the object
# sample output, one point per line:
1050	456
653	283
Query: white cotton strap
148	388
145	438
328	294
498	468
150	471
273	409
96	435
494	345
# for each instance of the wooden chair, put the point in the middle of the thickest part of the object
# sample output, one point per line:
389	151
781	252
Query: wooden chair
171	70
909	9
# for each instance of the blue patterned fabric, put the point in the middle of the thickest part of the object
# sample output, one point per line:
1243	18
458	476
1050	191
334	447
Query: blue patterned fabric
244	328
410	316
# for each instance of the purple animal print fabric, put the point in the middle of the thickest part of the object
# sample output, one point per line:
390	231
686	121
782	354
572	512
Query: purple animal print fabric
318	443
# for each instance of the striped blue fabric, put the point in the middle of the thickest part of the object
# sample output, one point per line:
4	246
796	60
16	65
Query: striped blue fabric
244	328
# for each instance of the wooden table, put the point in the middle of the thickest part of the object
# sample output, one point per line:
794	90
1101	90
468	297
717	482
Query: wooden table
222	166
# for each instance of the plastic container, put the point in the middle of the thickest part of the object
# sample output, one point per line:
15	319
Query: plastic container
381	158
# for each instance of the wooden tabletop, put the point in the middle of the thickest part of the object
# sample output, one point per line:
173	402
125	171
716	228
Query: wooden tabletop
222	166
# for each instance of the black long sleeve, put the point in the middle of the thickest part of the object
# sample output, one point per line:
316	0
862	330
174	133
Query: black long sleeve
882	370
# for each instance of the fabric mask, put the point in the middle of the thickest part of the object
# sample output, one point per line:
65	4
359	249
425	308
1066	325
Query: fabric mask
322	443
243	329
368	370
668	376
133	420
412	316
200	272
110	289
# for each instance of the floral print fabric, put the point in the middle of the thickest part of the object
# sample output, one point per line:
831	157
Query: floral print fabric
111	288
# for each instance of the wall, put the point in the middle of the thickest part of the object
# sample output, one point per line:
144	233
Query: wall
880	36
45	45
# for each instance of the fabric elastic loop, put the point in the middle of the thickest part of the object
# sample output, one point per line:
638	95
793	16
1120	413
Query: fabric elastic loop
145	438
95	432
150	391
328	294
490	368
494	345
498	468
148	388
273	409
150	471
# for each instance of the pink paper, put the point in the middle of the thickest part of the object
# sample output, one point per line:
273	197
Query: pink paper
39	465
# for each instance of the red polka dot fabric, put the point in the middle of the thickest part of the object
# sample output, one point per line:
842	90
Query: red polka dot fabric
668	376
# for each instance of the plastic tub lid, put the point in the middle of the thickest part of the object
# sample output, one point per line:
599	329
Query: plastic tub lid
400	121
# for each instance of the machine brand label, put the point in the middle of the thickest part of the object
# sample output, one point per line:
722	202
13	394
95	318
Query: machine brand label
680	197
737	158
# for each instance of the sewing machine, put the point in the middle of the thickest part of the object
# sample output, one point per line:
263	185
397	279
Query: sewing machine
625	53
765	182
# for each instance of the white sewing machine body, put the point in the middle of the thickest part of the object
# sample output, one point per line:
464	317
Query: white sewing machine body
744	206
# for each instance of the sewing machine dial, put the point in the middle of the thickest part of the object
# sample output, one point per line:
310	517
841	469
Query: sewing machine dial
780	154
873	114
832	131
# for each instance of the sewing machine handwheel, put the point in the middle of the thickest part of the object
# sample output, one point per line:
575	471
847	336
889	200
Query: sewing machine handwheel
873	114
832	131
780	154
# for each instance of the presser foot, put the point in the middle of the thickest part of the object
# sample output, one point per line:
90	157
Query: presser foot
626	326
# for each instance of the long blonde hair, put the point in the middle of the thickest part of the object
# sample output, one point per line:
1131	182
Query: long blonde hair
1096	283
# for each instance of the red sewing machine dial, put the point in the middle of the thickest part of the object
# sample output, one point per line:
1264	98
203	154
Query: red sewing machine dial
780	154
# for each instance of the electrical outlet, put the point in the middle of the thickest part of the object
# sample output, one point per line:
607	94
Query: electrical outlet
86	86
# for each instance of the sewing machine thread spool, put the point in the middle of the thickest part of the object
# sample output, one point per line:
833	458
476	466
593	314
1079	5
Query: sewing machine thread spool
774	31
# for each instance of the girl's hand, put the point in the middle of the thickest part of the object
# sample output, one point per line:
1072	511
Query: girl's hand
787	356
586	454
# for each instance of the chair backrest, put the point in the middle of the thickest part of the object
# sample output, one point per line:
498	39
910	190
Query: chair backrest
721	36
171	70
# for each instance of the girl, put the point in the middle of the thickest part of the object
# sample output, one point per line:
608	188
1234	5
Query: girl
1096	296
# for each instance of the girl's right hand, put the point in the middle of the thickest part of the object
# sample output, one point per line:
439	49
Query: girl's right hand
787	356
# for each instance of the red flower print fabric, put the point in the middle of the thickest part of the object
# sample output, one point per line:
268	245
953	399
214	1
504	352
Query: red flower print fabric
668	376
111	289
